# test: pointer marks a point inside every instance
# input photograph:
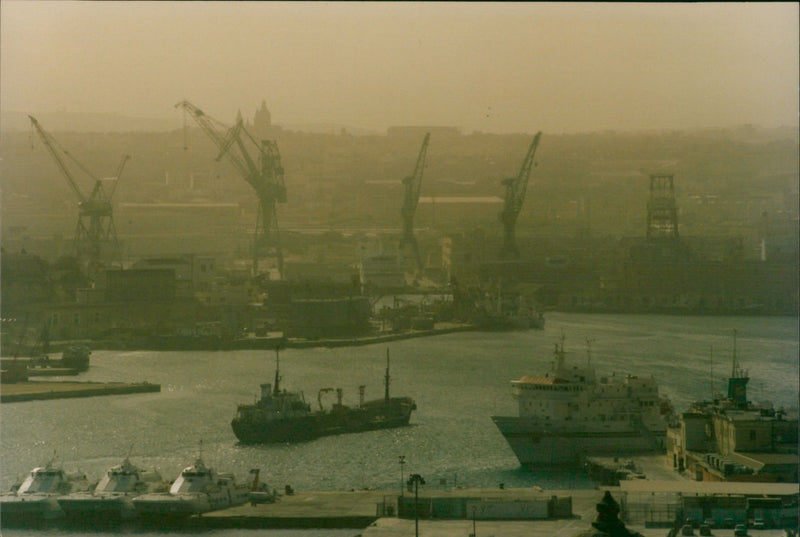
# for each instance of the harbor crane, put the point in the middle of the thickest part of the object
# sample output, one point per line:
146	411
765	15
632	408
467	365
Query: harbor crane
95	235
412	185
515	196
264	173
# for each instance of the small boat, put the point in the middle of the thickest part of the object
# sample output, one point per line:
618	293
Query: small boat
197	490
112	498
36	498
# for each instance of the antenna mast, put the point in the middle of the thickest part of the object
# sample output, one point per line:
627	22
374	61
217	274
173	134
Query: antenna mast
386	379
277	370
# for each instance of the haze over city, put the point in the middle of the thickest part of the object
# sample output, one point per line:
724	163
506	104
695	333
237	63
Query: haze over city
499	67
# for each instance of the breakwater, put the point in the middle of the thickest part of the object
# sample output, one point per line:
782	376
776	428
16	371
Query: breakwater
38	391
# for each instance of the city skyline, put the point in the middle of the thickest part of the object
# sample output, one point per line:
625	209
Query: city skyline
507	67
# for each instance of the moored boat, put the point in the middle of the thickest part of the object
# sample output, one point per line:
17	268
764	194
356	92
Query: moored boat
197	490
112	498
569	413
284	416
35	500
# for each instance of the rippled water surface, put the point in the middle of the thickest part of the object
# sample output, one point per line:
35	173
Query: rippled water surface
459	381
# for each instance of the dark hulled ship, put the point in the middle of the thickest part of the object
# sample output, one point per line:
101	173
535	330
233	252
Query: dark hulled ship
285	416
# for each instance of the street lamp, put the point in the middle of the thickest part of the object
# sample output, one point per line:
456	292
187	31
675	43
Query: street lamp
402	481
474	532
416	480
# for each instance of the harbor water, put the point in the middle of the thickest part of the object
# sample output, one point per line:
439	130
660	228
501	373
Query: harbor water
458	381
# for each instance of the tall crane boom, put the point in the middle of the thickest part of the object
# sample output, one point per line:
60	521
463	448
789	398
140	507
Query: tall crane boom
53	147
412	185
515	196
264	174
95	235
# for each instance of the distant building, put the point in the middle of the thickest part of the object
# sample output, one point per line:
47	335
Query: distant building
195	272
732	439
420	131
382	272
262	119
314	318
135	285
262	123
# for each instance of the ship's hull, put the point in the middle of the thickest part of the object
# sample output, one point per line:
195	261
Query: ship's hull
167	505
371	416
29	508
534	445
105	508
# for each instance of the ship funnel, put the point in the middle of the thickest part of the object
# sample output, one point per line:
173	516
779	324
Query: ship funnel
737	383
265	390
339	396
254	478
361	395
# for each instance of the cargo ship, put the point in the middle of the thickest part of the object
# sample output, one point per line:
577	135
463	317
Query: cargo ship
285	416
569	413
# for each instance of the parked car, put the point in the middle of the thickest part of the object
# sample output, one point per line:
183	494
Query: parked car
705	529
740	530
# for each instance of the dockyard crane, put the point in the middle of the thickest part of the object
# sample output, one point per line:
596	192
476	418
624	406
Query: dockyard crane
412	185
95	235
515	196
264	174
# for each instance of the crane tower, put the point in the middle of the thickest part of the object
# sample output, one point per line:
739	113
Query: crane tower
264	173
411	189
96	241
515	196
662	211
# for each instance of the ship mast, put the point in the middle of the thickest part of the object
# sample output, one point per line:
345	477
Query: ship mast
386	379
559	354
277	370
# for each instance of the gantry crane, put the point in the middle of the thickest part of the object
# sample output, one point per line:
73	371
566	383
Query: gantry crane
515	196
95	236
266	177
412	185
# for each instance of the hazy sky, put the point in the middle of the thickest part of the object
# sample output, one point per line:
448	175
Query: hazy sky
515	67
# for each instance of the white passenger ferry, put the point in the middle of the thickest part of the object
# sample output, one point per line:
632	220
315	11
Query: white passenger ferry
569	413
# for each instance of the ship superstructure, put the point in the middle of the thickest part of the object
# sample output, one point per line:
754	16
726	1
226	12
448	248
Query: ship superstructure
570	413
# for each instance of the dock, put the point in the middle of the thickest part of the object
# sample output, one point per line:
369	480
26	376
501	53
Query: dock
443	328
312	509
361	509
33	390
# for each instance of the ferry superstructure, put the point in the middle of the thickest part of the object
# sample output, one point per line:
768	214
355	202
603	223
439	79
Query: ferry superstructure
570	413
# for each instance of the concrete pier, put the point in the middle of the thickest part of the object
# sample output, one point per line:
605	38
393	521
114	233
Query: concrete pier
41	390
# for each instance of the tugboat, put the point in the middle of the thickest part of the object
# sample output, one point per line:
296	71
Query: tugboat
35	500
283	416
112	499
197	490
570	413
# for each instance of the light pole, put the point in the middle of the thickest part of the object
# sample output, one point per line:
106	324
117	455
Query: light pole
474	532
402	481
416	480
